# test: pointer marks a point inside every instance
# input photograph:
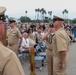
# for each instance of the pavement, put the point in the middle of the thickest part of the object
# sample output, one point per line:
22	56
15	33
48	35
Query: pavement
71	69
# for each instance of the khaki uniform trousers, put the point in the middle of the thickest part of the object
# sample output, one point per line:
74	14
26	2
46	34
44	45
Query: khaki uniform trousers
56	70
49	57
14	48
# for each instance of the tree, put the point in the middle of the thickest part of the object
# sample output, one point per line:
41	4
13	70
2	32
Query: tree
50	13
26	13
37	11
35	14
27	19
65	15
74	21
43	12
23	19
46	18
65	12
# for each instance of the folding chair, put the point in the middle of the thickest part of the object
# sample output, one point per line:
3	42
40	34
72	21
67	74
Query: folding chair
41	53
39	62
22	54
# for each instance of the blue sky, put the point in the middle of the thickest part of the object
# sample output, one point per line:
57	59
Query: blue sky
17	8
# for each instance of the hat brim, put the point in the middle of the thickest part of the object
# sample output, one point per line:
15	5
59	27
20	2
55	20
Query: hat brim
56	18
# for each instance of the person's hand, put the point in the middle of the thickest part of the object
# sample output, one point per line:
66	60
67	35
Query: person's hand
61	65
18	49
50	29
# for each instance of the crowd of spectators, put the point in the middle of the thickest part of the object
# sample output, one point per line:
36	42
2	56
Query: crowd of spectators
36	31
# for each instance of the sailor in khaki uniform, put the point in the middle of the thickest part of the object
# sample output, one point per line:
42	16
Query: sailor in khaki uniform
60	46
2	25
13	35
9	62
49	52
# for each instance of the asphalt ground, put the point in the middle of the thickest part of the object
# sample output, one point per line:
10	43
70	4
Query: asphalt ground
71	67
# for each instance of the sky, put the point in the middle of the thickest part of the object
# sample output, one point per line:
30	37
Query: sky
17	8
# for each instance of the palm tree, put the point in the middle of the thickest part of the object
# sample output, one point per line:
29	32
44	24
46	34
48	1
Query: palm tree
67	16
38	10
26	13
50	13
42	9
43	12
65	12
35	14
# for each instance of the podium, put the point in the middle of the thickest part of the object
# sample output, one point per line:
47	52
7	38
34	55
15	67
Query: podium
32	61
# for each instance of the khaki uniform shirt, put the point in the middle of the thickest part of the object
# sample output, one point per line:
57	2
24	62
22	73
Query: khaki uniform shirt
13	35
9	63
49	41
60	41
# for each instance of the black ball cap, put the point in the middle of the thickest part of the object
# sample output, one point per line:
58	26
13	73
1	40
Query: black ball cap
11	21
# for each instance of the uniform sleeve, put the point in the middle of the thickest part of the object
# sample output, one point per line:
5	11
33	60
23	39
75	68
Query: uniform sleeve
61	43
7	33
13	66
19	33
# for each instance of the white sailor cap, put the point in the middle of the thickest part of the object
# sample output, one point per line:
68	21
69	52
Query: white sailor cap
2	13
